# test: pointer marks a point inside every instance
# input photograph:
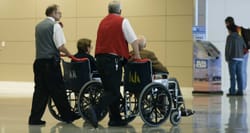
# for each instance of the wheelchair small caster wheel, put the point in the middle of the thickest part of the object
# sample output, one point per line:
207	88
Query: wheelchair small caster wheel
175	117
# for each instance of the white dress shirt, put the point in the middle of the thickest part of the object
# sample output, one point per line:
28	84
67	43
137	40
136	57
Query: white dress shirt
58	34
128	31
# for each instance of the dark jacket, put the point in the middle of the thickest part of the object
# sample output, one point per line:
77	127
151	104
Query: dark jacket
91	60
234	46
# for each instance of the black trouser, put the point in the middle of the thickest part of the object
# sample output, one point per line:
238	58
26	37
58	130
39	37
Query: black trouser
110	69
49	82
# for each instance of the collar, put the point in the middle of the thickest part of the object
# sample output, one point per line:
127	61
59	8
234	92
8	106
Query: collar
115	14
51	18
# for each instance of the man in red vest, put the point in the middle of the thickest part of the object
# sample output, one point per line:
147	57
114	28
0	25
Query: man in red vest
113	36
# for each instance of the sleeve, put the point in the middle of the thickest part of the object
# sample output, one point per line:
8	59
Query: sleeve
227	50
156	64
93	63
58	36
128	31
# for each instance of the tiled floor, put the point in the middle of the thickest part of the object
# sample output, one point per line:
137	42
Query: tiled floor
214	114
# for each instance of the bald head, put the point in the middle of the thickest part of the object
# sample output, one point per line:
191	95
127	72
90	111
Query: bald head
114	7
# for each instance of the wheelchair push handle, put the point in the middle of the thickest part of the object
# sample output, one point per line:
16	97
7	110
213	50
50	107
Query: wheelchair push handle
73	58
132	59
141	60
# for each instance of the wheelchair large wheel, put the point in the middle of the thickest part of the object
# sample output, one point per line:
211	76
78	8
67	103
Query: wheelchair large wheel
90	94
72	98
154	104
129	106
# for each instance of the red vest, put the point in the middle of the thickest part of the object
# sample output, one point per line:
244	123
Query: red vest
110	37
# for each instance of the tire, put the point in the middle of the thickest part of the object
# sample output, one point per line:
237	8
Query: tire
154	104
90	94
129	106
72	99
175	117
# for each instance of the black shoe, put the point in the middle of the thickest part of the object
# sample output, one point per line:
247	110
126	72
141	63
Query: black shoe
92	117
74	116
117	123
230	94
239	93
38	122
187	112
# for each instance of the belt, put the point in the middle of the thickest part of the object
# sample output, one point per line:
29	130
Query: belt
111	56
47	60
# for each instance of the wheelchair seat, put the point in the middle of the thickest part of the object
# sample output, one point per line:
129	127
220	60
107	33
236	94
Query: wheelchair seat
76	74
138	74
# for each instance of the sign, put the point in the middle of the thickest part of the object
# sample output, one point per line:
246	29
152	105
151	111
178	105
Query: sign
199	32
206	68
201	63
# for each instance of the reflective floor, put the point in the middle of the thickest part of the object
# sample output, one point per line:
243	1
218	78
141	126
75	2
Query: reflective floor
214	114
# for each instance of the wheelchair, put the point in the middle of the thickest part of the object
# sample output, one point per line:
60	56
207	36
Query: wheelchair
145	94
78	75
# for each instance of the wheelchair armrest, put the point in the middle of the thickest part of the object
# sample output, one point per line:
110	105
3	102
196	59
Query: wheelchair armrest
160	75
95	74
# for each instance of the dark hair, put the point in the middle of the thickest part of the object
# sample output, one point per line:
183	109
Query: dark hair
230	20
51	9
232	28
83	45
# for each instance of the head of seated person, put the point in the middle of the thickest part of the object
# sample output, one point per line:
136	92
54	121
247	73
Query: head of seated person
84	46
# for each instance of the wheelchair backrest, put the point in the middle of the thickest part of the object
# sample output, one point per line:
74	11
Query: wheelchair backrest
137	75
76	74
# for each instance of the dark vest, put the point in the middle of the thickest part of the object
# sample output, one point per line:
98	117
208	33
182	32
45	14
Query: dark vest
45	46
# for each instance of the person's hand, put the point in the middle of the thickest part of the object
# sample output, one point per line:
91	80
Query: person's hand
133	58
60	23
142	42
63	55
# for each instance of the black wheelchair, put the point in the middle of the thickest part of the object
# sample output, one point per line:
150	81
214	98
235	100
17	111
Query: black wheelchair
78	76
152	96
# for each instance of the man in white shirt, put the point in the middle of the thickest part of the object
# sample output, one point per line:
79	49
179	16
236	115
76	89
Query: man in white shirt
50	41
113	36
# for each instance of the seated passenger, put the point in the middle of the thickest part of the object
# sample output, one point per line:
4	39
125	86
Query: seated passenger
158	67
84	47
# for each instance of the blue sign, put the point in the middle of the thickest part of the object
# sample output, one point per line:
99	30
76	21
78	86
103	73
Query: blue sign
199	32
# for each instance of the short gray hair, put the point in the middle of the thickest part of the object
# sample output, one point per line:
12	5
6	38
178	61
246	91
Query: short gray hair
114	6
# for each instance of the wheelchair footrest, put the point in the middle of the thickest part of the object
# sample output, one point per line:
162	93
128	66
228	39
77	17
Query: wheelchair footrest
187	112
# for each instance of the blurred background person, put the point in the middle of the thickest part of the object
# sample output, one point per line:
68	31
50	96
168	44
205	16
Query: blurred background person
229	21
234	56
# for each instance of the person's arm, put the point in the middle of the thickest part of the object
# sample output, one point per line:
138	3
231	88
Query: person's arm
131	38
64	50
59	40
227	49
135	47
